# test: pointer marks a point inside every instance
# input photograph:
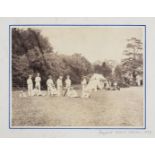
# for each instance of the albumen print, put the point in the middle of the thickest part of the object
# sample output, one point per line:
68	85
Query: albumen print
77	76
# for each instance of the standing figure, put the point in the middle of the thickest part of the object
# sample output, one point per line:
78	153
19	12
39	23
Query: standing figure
37	84
50	86
67	84
138	80
84	84
59	86
30	85
115	85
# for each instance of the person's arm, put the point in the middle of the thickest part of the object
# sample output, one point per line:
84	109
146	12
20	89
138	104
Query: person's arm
52	83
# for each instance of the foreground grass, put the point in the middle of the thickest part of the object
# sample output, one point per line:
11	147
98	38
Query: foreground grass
104	108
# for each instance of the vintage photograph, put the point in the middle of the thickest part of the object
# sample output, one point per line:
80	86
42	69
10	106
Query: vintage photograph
77	76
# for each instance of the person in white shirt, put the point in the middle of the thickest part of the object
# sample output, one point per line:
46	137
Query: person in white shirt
30	85
59	86
67	84
50	86
37	84
84	84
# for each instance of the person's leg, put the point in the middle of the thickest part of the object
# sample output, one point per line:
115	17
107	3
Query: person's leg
39	88
51	91
68	91
48	91
31	89
83	88
58	89
28	90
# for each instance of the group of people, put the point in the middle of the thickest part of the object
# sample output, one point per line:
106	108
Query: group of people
52	90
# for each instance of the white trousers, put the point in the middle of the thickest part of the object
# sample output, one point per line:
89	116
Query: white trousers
30	90
38	87
59	91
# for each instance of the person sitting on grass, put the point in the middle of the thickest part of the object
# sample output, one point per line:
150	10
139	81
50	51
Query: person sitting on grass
72	93
115	86
35	93
22	94
86	93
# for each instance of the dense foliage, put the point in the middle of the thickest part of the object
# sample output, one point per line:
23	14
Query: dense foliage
132	63
32	53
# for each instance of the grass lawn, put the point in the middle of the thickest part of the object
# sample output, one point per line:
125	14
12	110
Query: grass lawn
104	108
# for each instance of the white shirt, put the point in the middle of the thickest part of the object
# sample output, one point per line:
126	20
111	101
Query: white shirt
49	82
38	79
59	83
29	81
84	82
115	83
68	82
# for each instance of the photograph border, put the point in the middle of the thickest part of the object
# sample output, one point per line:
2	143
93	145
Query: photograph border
112	25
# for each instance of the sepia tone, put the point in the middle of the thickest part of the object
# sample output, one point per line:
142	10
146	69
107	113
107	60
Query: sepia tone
110	59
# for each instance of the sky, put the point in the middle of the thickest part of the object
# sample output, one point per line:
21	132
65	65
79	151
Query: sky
95	43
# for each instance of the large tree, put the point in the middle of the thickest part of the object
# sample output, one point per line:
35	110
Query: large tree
32	53
133	57
132	63
28	54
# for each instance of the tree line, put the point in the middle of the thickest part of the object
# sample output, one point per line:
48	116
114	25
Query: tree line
32	53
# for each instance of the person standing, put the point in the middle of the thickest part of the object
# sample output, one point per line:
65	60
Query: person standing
138	80
50	85
67	84
37	84
84	84
30	85
115	85
59	86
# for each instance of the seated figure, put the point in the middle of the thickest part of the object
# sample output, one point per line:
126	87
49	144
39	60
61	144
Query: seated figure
72	93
